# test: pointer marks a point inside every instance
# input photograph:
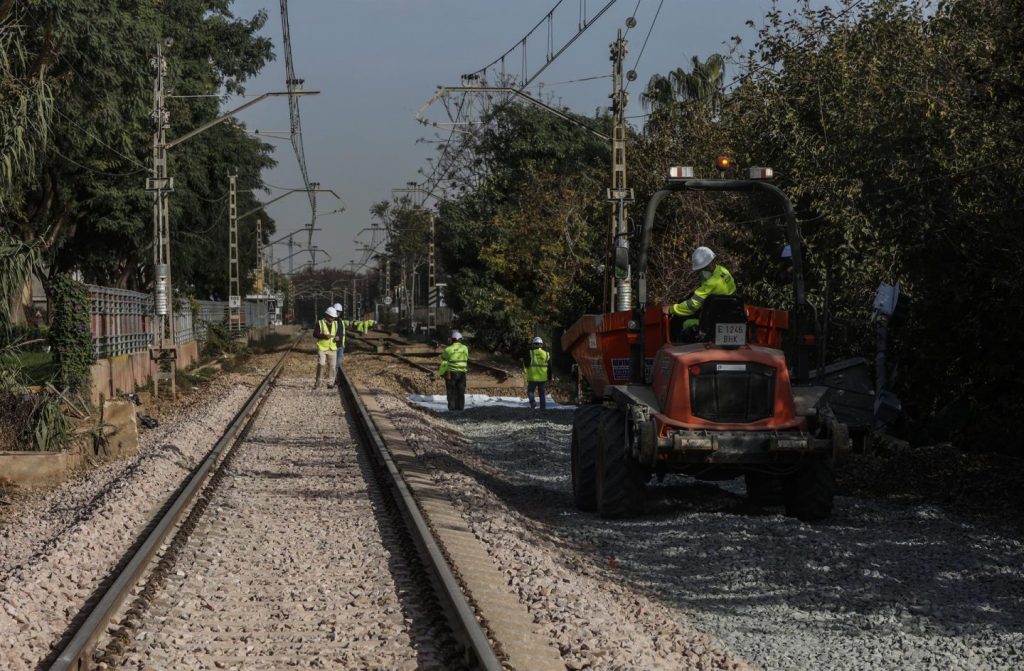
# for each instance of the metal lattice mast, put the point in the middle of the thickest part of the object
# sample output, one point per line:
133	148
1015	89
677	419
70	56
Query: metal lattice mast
259	256
431	279
619	195
234	285
160	184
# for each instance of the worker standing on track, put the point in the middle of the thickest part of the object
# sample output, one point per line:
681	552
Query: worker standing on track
365	325
537	369
454	364
716	280
340	339
326	334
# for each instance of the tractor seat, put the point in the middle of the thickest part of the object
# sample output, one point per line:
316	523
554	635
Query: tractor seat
718	309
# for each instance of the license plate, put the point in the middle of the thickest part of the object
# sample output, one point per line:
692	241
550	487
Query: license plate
731	335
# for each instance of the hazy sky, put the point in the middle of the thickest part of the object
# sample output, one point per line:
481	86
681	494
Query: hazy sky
377	61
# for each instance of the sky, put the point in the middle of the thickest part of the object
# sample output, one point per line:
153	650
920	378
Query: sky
376	62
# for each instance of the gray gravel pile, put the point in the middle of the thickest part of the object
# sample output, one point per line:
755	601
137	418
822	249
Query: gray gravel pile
57	546
293	564
594	619
879	586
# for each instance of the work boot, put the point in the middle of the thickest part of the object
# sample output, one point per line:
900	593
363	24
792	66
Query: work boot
316	384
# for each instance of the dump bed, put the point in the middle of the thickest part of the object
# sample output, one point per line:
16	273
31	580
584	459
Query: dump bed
600	344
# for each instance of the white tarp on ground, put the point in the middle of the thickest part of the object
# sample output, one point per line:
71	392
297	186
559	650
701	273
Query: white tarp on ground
439	402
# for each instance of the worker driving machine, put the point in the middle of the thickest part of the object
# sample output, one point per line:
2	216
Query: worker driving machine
741	400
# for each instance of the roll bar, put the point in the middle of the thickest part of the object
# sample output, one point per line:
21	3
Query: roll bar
739	185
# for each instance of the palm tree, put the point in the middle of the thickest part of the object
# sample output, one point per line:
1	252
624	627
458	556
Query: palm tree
703	83
701	86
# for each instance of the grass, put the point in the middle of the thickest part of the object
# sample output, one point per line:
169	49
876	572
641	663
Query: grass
37	367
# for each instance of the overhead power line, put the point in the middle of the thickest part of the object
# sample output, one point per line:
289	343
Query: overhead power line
498	69
518	54
294	84
644	45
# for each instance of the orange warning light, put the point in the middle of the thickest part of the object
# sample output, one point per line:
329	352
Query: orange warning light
723	162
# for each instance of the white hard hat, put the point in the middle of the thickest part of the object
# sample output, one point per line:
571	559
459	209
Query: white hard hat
331	312
338	308
537	340
456	335
701	258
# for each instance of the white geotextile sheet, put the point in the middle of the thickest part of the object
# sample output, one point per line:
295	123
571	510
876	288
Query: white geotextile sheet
439	402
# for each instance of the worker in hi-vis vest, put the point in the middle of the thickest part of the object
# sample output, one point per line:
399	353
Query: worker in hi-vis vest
715	281
326	334
454	364
537	369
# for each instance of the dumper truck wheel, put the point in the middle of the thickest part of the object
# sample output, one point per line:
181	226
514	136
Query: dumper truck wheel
621	481
810	489
585	424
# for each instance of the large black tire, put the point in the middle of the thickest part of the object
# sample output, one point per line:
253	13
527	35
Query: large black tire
585	424
621	481
764	489
810	489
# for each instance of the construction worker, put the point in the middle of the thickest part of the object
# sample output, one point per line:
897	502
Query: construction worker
537	369
454	364
715	281
365	325
326	334
340	339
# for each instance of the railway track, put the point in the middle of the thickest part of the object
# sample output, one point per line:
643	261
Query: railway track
308	536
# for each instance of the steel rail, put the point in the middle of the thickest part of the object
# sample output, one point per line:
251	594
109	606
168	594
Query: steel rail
76	654
462	619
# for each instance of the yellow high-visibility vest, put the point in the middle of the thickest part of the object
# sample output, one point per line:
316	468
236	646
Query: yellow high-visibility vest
327	344
537	371
454	359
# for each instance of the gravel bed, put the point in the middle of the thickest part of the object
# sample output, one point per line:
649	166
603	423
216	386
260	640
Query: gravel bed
295	562
56	546
595	621
881	585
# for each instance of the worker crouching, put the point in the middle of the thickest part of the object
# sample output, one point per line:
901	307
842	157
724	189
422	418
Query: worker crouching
537	370
454	364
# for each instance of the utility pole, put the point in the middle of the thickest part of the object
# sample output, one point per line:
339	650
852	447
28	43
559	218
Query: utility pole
234	283
164	352
261	304
419	197
619	195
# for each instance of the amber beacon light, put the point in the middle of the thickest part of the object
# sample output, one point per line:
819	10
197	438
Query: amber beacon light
723	163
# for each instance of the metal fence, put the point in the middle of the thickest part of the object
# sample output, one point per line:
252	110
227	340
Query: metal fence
122	321
210	312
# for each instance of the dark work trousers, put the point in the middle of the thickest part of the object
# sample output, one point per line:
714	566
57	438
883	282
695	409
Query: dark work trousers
538	386
455	384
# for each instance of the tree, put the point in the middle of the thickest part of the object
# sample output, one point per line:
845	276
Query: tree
83	200
522	250
700	87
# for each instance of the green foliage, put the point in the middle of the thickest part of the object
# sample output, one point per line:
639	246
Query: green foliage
18	262
897	129
26	419
80	193
520	246
51	429
70	336
220	340
25	102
